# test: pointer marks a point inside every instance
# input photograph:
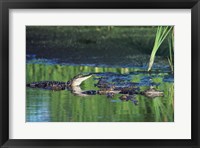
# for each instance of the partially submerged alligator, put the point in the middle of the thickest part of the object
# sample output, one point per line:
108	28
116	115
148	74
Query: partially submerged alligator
105	88
57	85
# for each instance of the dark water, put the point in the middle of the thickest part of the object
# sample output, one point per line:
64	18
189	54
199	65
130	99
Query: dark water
64	106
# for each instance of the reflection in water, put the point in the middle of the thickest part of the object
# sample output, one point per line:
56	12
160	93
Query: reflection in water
39	108
64	106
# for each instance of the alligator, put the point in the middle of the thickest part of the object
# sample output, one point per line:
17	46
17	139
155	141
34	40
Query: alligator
57	85
105	88
152	92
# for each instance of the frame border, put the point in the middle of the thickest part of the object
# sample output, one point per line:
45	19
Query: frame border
5	5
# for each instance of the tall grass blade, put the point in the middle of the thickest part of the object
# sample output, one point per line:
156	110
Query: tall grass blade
171	49
161	34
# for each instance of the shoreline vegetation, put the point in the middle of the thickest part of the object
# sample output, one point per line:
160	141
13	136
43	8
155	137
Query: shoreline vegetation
125	46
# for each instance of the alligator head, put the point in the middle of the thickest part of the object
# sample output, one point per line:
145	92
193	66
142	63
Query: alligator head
152	93
77	80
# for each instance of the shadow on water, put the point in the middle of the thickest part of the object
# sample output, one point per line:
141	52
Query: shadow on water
64	106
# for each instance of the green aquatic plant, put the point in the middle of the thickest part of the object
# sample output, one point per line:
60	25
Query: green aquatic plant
171	51
161	34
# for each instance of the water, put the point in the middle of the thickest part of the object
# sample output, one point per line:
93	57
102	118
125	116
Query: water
64	106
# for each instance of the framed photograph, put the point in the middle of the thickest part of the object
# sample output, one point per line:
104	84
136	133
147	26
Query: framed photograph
99	73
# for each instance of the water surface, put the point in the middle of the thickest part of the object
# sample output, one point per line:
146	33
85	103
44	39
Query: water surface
64	106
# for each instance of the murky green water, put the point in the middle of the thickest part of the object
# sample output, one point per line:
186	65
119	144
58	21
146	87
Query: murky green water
64	106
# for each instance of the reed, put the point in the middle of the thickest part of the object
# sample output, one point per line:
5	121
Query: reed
161	34
171	51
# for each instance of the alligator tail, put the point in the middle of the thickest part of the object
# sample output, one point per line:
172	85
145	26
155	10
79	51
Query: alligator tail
50	85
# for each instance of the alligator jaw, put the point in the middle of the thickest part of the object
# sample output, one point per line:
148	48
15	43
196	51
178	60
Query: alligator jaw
78	81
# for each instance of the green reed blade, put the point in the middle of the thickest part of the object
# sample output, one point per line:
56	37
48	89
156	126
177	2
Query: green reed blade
161	34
